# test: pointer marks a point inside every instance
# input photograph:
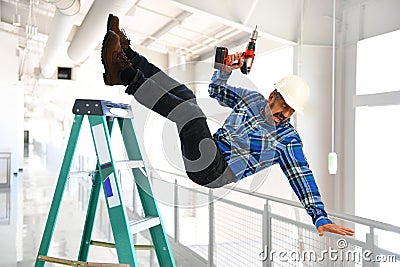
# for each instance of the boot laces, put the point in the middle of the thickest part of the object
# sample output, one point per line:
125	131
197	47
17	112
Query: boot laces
125	39
123	61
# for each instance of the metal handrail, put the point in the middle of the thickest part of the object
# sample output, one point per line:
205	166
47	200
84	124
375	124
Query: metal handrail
268	228
227	201
339	215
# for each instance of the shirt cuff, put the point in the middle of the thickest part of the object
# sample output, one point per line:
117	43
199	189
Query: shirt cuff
220	78
322	221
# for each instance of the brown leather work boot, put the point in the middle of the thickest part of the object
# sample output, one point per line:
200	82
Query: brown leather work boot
113	25
113	59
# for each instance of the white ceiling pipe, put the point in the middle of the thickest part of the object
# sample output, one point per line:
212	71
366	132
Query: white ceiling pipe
93	27
61	27
68	7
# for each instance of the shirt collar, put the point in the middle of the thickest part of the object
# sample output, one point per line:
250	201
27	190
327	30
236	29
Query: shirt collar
263	109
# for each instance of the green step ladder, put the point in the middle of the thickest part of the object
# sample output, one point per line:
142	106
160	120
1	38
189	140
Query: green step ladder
101	115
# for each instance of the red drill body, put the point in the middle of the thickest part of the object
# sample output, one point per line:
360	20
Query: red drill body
249	54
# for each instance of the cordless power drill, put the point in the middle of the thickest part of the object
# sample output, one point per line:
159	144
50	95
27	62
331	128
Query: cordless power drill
221	55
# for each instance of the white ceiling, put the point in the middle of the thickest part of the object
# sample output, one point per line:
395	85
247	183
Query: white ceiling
182	27
162	26
189	27
158	25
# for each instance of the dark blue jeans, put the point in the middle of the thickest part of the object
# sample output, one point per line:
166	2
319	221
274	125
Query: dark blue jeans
204	162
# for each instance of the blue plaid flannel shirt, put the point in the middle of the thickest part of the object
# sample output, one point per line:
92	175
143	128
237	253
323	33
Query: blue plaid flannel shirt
249	144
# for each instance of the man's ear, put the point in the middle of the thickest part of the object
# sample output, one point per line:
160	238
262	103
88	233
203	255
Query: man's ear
271	97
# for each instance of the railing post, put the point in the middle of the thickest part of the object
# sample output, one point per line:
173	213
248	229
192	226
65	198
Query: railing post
266	234
176	212
5	180
134	196
135	205
211	229
371	241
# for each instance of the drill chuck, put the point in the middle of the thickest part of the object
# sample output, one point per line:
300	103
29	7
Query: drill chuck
254	35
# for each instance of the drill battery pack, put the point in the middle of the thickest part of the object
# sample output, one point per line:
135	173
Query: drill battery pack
221	57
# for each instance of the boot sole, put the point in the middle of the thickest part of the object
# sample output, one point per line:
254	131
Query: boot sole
109	22
106	75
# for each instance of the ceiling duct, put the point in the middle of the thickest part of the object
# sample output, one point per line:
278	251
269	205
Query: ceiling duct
61	27
68	7
93	27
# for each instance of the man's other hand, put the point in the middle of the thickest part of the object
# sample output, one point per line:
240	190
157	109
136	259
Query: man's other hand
334	228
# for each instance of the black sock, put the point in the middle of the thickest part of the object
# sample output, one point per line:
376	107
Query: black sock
130	54
127	75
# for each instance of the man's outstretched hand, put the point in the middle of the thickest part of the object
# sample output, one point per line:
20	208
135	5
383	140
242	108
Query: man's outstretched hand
334	228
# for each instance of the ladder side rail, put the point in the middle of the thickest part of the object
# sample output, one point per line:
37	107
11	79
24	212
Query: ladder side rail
60	188
141	180
145	191
92	207
112	192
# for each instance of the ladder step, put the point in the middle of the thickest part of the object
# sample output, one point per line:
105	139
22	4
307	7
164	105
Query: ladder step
112	245
79	263
130	164
144	223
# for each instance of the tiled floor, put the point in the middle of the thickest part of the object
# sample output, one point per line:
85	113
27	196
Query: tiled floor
23	213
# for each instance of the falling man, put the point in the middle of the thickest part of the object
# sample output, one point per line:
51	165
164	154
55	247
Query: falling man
256	134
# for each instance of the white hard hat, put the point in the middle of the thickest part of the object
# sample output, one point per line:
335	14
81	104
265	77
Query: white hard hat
294	91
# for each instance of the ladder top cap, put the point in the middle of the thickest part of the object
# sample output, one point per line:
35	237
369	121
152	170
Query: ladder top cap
102	108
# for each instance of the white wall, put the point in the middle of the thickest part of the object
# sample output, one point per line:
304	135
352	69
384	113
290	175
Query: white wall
11	108
359	21
315	126
12	233
11	121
